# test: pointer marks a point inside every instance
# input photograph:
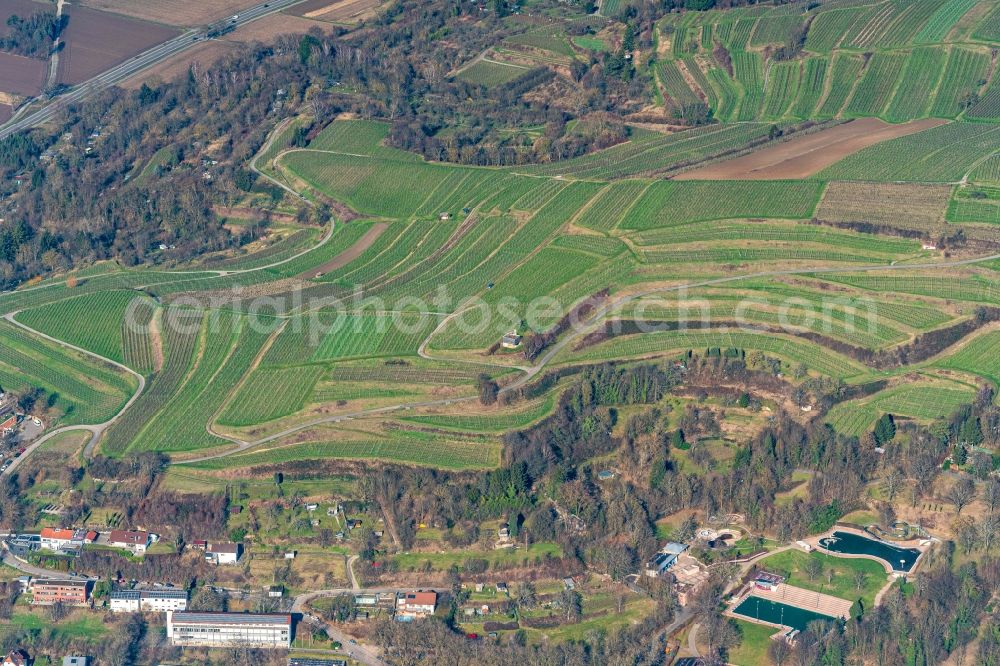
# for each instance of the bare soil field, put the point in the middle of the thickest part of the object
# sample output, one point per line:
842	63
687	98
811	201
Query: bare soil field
350	254
96	41
6	111
185	13
205	54
806	155
20	75
269	27
336	11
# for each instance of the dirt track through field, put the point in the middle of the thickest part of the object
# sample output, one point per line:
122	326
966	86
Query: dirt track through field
350	254
806	155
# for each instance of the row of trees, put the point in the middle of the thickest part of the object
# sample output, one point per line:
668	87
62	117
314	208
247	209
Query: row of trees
33	36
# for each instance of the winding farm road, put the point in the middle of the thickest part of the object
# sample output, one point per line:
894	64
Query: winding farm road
95	430
596	319
529	372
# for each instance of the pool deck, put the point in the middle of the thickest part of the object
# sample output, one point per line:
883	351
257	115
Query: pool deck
809	600
789	595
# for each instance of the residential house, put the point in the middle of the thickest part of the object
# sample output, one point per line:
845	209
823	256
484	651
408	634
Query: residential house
53	538
9	424
133	541
224	553
275	592
416	604
152	601
260	630
59	539
16	658
45	592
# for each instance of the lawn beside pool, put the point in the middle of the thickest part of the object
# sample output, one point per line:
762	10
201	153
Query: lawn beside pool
752	648
792	563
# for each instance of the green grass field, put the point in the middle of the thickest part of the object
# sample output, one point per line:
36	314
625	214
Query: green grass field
837	578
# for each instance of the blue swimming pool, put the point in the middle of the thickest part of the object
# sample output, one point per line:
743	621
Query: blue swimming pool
849	543
756	608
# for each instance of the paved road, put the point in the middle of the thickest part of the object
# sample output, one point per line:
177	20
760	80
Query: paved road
133	66
32	570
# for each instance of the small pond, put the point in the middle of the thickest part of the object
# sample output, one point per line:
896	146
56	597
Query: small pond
766	610
849	543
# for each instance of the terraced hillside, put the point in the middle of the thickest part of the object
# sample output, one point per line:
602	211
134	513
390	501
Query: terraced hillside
370	344
894	59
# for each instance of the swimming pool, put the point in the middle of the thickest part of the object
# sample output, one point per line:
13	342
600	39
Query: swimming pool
849	543
766	610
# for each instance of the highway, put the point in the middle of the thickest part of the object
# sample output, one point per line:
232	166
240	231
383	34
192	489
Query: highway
133	66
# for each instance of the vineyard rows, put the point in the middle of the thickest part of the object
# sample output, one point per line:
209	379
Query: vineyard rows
671	203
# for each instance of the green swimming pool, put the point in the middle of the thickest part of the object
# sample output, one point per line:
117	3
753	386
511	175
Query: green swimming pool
766	610
849	543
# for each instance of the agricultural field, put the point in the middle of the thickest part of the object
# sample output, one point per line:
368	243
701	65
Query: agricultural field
77	388
112	324
910	67
184	13
978	357
941	154
922	401
660	205
491	73
733	214
95	41
20	75
890	204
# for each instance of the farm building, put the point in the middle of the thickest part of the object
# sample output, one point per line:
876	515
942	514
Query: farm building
157	601
664	559
261	630
511	340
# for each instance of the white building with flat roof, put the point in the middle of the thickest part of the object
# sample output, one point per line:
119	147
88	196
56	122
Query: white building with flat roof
149	601
260	630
